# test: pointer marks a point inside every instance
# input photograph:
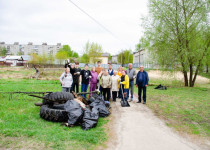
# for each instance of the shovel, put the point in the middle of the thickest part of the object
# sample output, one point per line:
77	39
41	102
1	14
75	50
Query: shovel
123	102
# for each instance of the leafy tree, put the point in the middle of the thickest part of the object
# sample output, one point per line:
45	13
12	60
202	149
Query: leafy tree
110	57
61	55
3	51
67	49
75	55
95	51
125	57
92	52
51	59
177	33
20	53
84	58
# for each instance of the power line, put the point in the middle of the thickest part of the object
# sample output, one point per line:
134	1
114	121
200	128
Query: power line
101	25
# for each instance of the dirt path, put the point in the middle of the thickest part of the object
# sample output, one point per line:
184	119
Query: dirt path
136	128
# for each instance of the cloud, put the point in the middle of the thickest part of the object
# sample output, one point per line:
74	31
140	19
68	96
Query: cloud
54	21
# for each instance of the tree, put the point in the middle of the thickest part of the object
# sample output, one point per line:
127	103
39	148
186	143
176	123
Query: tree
92	52
75	55
84	58
61	55
125	57
20	53
110	57
3	51
177	33
68	50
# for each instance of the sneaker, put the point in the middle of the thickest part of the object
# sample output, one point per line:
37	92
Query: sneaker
138	102
144	102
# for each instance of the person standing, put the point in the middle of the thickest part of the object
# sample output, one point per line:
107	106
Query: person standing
72	67
142	80
76	77
93	80
66	80
115	84
99	68
131	72
110	70
124	85
86	75
119	73
106	85
67	64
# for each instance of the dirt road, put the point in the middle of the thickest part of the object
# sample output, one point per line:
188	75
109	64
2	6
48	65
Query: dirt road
136	128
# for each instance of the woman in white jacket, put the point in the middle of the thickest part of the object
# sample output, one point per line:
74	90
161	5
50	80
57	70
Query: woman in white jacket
66	80
115	85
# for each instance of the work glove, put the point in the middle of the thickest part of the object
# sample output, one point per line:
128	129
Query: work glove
120	82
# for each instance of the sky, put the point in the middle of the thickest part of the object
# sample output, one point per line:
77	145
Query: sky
59	21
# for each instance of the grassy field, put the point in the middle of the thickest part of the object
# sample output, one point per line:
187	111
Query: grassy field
22	127
184	108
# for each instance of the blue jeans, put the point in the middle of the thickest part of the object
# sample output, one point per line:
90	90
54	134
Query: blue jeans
84	89
131	88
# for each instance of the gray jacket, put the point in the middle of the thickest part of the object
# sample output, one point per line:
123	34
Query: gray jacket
131	73
66	79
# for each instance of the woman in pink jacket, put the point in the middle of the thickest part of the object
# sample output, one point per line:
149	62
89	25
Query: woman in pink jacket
93	80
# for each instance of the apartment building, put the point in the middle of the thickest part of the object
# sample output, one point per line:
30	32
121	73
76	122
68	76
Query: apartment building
27	49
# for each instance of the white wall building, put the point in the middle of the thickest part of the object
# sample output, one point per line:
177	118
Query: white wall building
114	59
141	56
29	48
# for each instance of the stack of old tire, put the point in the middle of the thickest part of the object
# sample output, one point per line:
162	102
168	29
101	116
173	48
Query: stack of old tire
52	108
61	107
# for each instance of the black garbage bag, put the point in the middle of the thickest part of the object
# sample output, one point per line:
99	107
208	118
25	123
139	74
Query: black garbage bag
160	87
124	103
75	112
99	104
90	118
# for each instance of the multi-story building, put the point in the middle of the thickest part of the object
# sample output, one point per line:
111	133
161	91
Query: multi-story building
27	49
140	56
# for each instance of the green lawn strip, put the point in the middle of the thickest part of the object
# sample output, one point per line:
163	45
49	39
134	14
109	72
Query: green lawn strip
206	75
20	118
186	109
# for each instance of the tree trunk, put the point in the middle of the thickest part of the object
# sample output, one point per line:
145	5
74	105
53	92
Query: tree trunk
207	68
185	78
191	76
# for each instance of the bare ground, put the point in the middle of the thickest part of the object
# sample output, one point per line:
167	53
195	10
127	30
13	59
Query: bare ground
136	127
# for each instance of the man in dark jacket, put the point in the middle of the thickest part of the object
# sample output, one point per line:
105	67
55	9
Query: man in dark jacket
76	77
142	80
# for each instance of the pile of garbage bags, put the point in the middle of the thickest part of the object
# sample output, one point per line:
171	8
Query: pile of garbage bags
74	113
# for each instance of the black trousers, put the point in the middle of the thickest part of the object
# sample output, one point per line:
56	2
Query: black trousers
114	95
75	84
140	88
106	94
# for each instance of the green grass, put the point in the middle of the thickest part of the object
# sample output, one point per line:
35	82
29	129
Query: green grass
184	108
20	118
206	75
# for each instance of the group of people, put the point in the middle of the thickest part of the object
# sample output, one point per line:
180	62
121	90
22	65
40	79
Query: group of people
111	83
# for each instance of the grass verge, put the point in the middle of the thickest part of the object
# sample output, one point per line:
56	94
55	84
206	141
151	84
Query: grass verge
20	121
184	108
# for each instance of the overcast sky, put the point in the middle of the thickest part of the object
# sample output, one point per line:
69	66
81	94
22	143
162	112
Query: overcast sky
59	21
